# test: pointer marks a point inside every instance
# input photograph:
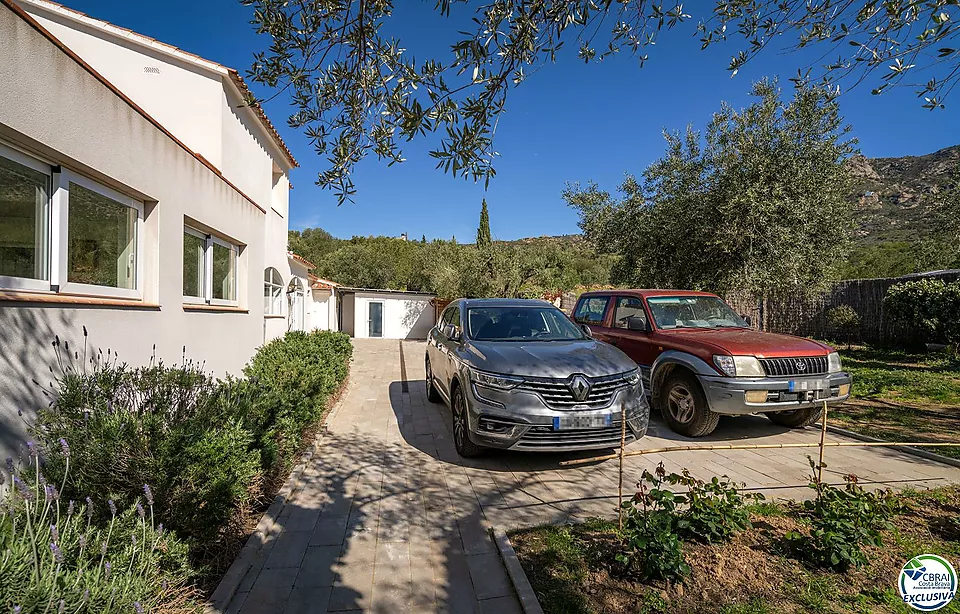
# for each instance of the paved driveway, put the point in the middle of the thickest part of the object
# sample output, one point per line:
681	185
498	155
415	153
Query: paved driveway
388	518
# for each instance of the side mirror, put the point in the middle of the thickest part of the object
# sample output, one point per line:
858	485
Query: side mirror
639	324
586	330
453	333
747	319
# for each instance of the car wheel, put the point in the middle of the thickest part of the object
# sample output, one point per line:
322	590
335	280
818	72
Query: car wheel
797	418
433	395
685	408
461	438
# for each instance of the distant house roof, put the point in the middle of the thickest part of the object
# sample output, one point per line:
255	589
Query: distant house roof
301	260
196	60
318	283
385	291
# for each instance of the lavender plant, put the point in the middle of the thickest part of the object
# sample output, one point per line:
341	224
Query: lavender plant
55	558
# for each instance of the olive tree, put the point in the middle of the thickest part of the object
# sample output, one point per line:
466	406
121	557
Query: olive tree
757	203
357	91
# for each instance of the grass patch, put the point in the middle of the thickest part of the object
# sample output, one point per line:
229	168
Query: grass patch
902	396
572	568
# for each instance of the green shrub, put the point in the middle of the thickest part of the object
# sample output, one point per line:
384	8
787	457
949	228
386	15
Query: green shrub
656	519
55	558
928	307
174	428
842	522
844	320
295	376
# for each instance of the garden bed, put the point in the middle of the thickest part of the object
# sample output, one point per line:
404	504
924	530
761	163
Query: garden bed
574	569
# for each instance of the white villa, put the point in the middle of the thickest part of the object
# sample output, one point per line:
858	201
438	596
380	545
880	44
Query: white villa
141	197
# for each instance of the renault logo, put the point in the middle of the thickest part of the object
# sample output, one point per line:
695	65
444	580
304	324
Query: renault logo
801	365
580	387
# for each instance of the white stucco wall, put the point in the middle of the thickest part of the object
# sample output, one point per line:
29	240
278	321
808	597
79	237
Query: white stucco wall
320	308
405	316
194	100
53	107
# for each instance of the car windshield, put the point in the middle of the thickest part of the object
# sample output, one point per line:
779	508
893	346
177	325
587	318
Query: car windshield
693	312
520	324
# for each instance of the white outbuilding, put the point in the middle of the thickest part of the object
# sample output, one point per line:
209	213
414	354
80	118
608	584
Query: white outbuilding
388	314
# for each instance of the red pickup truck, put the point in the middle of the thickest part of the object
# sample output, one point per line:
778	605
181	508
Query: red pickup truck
700	360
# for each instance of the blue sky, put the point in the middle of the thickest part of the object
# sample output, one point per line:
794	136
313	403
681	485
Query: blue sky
569	122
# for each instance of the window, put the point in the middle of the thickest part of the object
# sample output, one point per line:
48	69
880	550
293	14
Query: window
63	232
209	269
25	191
629	314
272	292
590	310
451	317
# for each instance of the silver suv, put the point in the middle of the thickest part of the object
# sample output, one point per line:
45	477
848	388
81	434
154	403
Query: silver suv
519	374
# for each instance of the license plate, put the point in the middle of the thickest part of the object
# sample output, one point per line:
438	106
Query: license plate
561	423
798	386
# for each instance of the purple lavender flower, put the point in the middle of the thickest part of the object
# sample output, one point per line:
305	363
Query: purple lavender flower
83	540
62	607
106	570
57	555
140	511
89	509
3	479
70	508
86	595
25	492
113	508
138	607
164	585
65	447
10	464
16	609
148	493
133	539
32	448
54	533
103	548
50	493
160	529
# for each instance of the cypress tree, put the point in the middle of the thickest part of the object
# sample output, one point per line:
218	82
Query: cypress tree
483	232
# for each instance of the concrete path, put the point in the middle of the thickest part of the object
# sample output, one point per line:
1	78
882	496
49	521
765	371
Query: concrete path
388	518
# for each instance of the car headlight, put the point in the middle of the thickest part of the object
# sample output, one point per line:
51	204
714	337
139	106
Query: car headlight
833	363
633	377
495	380
739	366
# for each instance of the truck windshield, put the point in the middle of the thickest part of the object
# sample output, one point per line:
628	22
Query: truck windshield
520	324
693	312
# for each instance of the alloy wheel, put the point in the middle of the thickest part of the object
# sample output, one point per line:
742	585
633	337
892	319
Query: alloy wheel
459	420
681	404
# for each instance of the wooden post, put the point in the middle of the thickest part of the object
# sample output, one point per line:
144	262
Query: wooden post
823	437
623	441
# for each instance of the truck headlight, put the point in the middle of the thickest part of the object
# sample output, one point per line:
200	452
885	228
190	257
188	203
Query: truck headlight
495	380
833	363
739	366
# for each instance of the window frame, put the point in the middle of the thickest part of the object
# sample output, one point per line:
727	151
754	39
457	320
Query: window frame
207	282
278	286
616	307
9	282
62	212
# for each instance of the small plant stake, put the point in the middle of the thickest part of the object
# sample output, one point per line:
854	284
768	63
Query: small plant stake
623	440
823	436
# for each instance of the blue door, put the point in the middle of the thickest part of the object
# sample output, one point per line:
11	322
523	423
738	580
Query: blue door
375	320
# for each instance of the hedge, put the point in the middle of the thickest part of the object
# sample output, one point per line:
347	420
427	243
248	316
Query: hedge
205	447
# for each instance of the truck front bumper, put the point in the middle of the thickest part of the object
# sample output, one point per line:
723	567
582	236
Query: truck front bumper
742	395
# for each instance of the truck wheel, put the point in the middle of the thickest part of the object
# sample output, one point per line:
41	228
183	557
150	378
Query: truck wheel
684	407
432	394
461	438
797	418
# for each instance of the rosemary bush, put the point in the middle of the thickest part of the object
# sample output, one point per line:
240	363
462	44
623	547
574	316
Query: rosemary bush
55	557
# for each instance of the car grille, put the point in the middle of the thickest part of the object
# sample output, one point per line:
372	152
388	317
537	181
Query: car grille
541	437
557	394
813	365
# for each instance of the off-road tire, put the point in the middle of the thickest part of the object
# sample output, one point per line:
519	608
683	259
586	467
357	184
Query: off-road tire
797	418
461	426
702	420
433	395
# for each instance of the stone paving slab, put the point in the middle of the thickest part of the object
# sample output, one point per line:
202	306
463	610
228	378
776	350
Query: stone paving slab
388	518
